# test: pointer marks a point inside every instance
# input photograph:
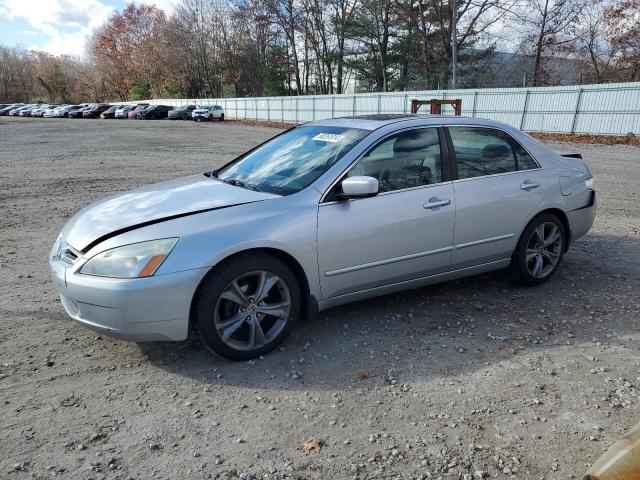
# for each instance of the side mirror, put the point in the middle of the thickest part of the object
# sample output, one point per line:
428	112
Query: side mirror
359	187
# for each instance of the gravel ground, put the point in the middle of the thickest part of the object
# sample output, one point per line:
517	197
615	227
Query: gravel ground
469	379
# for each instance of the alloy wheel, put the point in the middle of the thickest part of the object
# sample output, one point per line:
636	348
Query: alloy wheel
252	310
544	249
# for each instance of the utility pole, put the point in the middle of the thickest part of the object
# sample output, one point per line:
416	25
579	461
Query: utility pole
454	44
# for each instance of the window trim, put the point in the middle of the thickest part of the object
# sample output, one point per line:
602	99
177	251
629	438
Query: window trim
447	174
454	162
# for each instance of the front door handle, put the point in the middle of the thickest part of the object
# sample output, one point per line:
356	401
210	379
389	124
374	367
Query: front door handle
435	202
529	185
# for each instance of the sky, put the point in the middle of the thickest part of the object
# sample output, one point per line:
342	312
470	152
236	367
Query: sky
60	27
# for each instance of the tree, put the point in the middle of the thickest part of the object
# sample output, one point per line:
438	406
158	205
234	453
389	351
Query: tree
371	27
549	25
287	15
623	34
131	49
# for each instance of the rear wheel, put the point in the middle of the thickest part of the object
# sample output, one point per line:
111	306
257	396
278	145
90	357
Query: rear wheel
539	250
246	306
222	117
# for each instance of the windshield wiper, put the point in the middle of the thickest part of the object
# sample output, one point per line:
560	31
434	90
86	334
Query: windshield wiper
239	183
233	181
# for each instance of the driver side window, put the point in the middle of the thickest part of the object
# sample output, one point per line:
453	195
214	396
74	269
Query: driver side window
404	160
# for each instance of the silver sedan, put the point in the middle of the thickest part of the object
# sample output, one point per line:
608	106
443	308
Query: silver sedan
323	214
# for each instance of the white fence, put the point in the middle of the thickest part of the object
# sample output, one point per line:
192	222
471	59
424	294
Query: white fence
612	109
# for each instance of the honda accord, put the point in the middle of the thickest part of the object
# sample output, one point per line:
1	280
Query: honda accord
323	214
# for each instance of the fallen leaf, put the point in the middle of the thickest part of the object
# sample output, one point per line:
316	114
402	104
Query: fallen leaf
312	444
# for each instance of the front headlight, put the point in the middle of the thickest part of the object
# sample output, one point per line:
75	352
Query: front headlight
589	183
130	261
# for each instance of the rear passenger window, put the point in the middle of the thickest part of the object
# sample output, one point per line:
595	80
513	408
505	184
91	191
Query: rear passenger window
486	151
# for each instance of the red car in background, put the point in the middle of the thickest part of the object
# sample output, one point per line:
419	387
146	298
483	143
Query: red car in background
95	111
135	113
110	112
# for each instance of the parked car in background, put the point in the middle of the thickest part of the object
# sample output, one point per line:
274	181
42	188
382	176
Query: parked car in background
77	112
26	111
123	111
15	111
58	112
5	111
40	111
155	112
33	112
327	213
95	110
53	112
182	113
109	112
208	113
135	113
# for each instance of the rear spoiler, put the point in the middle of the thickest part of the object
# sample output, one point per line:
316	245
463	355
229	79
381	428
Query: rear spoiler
572	155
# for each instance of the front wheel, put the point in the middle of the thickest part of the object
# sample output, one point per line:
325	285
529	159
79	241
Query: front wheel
246	306
539	250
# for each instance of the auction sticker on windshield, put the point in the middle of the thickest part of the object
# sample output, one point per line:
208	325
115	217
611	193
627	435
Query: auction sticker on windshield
329	137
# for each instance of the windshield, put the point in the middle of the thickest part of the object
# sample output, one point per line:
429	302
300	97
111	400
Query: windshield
291	161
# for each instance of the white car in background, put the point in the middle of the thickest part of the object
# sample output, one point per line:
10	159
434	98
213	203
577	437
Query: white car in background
123	111
57	111
208	112
39	111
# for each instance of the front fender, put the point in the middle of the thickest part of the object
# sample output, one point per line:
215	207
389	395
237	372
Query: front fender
287	224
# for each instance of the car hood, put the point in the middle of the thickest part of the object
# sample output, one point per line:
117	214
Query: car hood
152	204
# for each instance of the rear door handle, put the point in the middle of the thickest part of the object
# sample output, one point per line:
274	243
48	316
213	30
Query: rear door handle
436	202
529	185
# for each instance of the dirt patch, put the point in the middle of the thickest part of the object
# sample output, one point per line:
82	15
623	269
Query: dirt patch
580	138
460	380
263	123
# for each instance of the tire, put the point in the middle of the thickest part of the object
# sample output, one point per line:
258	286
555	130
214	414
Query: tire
532	262
222	117
210	118
184	116
228	304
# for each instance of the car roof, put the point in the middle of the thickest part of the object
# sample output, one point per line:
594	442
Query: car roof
375	121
